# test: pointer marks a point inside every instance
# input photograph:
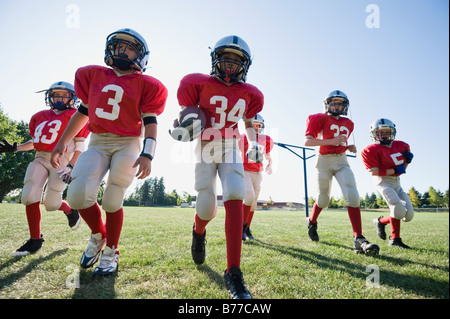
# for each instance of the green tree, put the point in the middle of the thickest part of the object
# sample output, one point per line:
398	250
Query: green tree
445	198
380	201
414	197
13	165
435	197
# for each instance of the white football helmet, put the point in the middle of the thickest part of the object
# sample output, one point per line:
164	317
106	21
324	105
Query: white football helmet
385	125
131	39
235	45
258	120
340	95
57	103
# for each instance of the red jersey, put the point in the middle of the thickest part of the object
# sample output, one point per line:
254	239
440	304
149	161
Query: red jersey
46	128
265	144
329	127
116	103
223	105
383	156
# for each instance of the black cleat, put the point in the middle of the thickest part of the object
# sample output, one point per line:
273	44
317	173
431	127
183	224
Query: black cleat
234	281
312	230
397	242
362	246
74	219
198	250
31	246
380	228
249	233
244	232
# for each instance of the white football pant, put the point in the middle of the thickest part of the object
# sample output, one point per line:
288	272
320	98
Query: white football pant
106	151
336	165
217	157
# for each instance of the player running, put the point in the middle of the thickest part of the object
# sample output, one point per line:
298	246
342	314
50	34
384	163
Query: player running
225	98
118	101
386	160
46	128
253	172
330	131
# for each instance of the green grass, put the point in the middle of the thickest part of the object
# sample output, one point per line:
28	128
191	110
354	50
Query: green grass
282	263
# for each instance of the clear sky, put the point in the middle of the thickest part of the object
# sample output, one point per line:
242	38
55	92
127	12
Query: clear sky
390	57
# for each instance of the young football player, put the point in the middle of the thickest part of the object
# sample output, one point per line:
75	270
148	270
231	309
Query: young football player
120	102
386	160
46	128
330	131
253	172
225	98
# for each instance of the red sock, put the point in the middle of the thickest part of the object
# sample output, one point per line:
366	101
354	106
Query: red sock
234	219
246	212
114	222
395	227
65	207
249	218
385	220
355	218
93	218
34	219
200	225
315	213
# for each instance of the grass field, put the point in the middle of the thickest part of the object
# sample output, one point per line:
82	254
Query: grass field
282	263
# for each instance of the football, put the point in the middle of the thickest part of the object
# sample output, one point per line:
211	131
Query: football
190	124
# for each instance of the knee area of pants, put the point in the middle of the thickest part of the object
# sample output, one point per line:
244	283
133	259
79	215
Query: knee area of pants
399	212
323	201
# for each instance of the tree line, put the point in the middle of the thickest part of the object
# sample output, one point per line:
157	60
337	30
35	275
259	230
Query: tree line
152	192
432	198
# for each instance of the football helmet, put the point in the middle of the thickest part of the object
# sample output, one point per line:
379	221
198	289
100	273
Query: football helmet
56	103
329	105
122	39
383	138
237	73
258	121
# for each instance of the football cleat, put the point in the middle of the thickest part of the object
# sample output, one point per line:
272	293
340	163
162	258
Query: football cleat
198	249
244	232
109	262
31	246
74	219
93	250
248	233
312	230
397	242
380	228
234	282
362	246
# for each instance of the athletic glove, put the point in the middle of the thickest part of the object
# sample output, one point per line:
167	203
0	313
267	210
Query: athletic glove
408	156
5	147
65	172
253	153
400	169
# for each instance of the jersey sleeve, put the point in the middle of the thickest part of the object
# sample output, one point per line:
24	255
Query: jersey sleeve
269	144
256	104
313	125
82	83
154	97
188	93
369	158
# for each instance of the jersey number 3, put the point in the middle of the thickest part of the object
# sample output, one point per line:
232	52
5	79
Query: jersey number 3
114	102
